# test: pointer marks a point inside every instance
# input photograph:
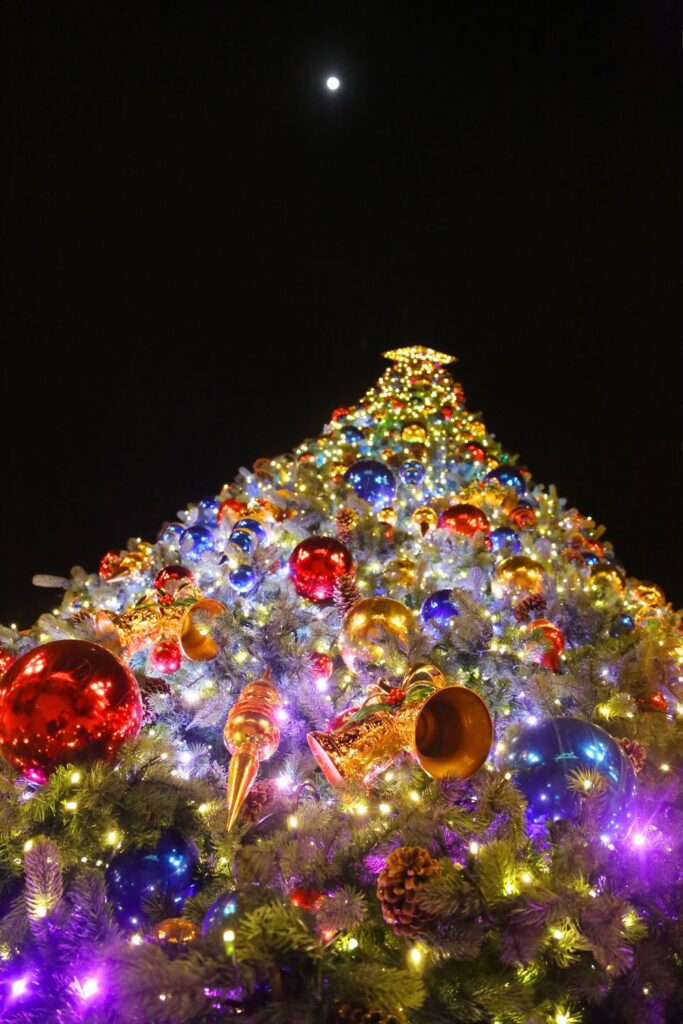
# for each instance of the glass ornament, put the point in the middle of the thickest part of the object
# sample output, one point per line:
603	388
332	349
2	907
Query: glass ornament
506	476
439	609
505	539
412	473
222	914
463	519
242	579
315	564
372	481
195	541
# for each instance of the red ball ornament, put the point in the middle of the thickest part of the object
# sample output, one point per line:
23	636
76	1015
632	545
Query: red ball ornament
475	451
658	701
322	666
110	565
232	509
522	516
165	657
464	519
554	640
315	564
172	579
306	899
66	702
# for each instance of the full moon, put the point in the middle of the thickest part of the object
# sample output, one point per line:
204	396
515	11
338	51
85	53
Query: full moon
333	83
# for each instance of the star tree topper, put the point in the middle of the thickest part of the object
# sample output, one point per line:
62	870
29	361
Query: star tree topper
418	354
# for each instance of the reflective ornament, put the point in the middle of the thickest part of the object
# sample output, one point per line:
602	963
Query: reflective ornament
251	735
523	516
208	508
245	540
242	579
605	577
176	931
371	628
412	473
401	572
425	518
552	760
165	657
554	641
200	629
66	702
372	481
439	609
414	431
195	541
474	451
221	915
505	539
506	476
352	434
322	665
463	519
173	581
517	577
649	594
306	899
163	871
589	558
170	533
622	624
315	564
657	701
253	524
110	565
388	516
7	658
231	509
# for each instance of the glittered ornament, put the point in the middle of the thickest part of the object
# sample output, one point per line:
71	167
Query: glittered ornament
315	564
439	609
66	702
463	519
425	518
647	617
174	581
165	657
503	539
251	735
163	871
411	473
176	931
110	565
195	541
371	628
517	577
372	481
506	476
200	629
126	633
554	759
242	579
401	572
388	516
553	642
648	594
606	578
221	915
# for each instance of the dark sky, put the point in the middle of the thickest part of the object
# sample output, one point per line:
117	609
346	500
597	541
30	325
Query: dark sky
204	251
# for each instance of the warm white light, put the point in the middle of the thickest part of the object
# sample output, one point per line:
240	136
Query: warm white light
333	83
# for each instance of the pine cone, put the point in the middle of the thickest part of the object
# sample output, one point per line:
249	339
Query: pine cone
405	872
636	753
357	1014
346	522
528	607
151	686
346	592
262	793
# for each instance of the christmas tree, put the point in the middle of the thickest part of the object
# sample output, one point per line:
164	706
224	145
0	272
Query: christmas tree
451	789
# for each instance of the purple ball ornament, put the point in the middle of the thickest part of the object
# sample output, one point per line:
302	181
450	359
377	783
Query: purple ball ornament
505	539
166	870
548	759
439	609
372	481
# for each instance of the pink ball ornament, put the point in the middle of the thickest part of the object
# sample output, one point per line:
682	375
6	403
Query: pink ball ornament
165	657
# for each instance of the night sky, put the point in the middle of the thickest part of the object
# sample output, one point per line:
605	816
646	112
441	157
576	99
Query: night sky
205	251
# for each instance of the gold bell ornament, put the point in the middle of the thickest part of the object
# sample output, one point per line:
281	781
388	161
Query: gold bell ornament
650	595
126	633
251	735
447	729
199	629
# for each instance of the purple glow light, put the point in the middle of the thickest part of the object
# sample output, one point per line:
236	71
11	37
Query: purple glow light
88	988
20	985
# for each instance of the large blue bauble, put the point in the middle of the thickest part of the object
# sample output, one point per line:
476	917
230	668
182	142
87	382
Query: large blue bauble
372	481
412	472
221	914
505	539
139	875
544	757
254	525
242	579
439	608
196	540
508	477
245	539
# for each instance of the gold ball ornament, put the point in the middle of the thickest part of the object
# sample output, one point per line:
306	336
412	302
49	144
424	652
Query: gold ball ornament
370	628
402	572
176	931
517	577
414	431
388	515
197	639
425	518
650	595
606	577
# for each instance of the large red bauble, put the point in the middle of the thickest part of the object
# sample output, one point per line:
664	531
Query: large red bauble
172	579
66	702
7	658
464	519
554	639
315	564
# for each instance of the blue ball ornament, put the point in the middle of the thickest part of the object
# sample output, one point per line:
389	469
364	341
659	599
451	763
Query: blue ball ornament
255	525
621	625
242	579
221	914
208	508
412	473
508	477
439	608
352	434
505	539
546	756
140	875
171	533
590	558
372	481
195	541
246	540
